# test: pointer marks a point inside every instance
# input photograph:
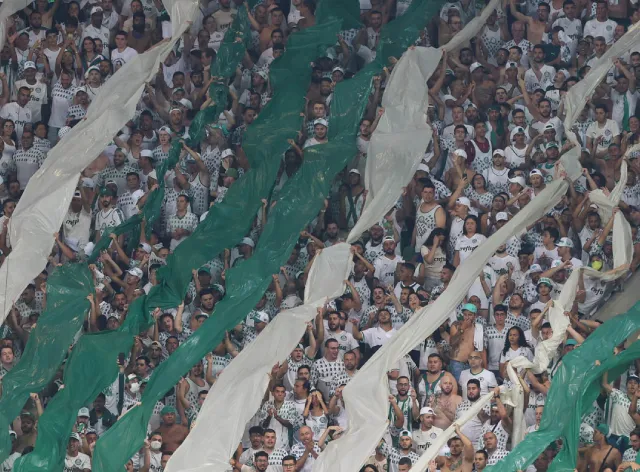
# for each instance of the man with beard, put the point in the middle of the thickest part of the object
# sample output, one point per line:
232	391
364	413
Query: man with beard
139	38
446	402
404	409
320	127
433	376
462	454
385	265
398	457
380	301
76	461
332	234
377	336
494	452
516	315
373	249
298	358
95	28
473	428
367	39
27	160
350	369
345	339
539	75
424	436
541	112
306	451
29	433
486	378
109	215
117	173
601	456
77	222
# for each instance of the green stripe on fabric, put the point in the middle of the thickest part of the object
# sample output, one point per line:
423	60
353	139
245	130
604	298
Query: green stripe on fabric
91	367
48	344
575	387
254	277
299	201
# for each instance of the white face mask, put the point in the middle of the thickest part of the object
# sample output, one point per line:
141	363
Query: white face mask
156	445
135	387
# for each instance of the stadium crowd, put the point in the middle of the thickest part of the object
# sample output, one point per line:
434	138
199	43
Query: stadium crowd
496	108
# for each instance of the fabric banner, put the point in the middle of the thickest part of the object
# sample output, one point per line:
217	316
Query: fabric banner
300	200
67	305
47	197
575	387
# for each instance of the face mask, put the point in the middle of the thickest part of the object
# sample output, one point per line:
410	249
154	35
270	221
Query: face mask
597	265
135	387
156	445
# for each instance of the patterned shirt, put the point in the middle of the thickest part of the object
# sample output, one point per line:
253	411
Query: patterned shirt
27	164
119	176
76	112
520	321
325	371
394	455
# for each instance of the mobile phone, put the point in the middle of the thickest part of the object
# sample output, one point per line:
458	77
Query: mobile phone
121	358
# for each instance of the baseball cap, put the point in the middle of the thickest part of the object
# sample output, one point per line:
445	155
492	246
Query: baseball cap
516	130
545	281
603	428
260	317
551	144
136	272
502	216
226	153
535	172
186	103
79	89
499	152
633	377
565	242
155	344
474	66
263	74
405	433
164	129
354	171
75	436
464	201
146	153
511	64
320	121
29	65
427	411
424	167
571	342
470	307
201	314
13	433
389	238
26	413
83	412
248	241
337	69
535	268
106	191
145	247
77	194
460	152
96	10
518	179
549	126
204	269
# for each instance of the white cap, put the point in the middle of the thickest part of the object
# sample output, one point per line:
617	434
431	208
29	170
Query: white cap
145	247
464	201
136	272
516	130
260	317
96	10
535	268
226	153
518	179
248	242
29	65
502	216
425	410
146	153
80	89
499	152
556	263
263	74
511	64
186	103
565	242
406	432
424	167
549	126
75	436
153	175
474	66
83	412
354	171
535	172
460	152
77	194
64	130
337	69
321	121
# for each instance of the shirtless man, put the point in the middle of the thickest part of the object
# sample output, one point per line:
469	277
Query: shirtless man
462	341
173	434
535	27
446	403
462	454
600	457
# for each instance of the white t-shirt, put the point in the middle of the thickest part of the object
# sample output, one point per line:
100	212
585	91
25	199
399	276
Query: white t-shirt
620	422
79	462
121	58
465	246
609	131
385	269
596	28
422	440
78	226
19	115
377	336
37	99
486	378
108	218
511	354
